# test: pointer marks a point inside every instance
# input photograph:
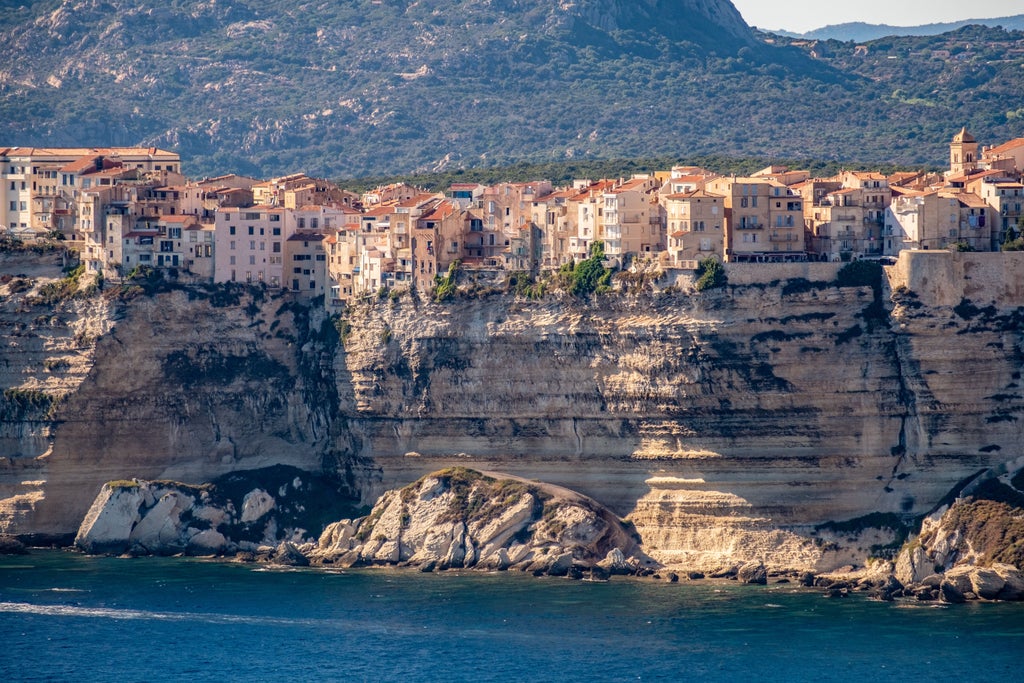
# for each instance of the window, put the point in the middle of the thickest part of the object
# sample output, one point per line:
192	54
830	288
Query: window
252	260
174	233
275	247
276	232
231	231
251	231
231	245
231	262
252	245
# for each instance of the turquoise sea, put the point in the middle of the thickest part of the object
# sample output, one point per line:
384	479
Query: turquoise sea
65	617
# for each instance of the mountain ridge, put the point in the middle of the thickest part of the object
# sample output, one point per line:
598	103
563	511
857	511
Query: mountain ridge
860	31
370	87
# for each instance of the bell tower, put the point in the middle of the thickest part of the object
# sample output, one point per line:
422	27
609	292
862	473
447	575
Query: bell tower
963	153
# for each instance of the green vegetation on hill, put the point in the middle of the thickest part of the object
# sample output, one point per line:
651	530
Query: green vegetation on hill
369	88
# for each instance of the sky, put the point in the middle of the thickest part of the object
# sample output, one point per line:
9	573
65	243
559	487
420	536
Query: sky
805	15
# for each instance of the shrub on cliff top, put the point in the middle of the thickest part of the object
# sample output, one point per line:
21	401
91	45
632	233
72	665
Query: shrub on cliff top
860	274
587	276
711	274
444	285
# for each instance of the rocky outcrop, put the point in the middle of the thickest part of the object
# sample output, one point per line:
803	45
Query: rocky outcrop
973	548
462	518
166	518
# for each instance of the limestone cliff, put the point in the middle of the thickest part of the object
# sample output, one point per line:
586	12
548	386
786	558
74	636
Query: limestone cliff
158	380
781	419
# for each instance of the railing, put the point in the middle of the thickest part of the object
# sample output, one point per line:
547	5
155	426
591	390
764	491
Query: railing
750	226
788	237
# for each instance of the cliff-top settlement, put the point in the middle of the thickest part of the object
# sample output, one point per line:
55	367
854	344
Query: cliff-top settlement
126	207
791	417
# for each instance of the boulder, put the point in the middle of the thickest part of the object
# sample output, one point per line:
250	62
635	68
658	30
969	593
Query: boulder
288	555
208	541
561	565
615	562
948	592
987	583
256	504
753	573
912	565
961	578
9	545
1014	578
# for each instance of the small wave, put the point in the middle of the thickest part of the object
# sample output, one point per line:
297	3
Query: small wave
67	590
133	614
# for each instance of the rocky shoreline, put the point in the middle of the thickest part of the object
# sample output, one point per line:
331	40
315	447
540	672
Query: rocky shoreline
460	519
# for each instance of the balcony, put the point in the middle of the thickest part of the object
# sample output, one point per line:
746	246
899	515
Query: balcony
750	226
782	237
613	232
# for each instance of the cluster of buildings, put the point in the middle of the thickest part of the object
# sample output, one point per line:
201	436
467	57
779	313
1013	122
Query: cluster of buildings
128	207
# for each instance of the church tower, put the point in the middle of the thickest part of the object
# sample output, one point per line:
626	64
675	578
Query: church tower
963	153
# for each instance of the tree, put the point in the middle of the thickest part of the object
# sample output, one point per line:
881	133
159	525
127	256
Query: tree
711	274
590	275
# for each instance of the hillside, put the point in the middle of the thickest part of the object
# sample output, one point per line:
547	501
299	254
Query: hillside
371	87
859	31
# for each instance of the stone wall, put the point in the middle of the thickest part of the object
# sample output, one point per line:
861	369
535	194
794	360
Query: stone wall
945	278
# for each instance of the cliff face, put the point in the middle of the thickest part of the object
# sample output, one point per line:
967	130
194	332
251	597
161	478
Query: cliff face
185	384
728	426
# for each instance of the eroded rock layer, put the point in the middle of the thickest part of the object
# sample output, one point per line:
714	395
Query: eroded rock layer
732	425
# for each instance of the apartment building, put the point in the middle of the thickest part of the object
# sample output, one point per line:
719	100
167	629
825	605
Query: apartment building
38	184
438	238
306	263
763	219
696	231
250	244
629	222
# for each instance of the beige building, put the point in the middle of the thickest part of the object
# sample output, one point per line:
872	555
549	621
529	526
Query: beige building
1005	197
1008	156
629	222
696	231
38	184
940	219
551	216
306	259
763	219
250	244
437	241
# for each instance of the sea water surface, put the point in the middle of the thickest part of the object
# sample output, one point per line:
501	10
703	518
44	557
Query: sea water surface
65	616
